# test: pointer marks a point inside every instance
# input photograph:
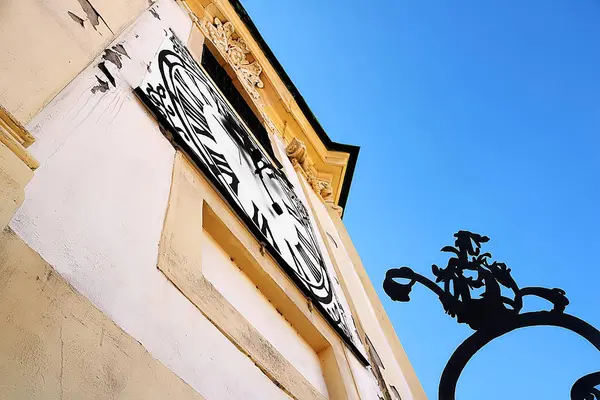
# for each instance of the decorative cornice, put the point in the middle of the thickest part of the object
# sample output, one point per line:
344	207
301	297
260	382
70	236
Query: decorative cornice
297	153
234	51
331	158
14	136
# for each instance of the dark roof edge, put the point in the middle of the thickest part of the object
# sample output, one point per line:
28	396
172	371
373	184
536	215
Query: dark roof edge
329	144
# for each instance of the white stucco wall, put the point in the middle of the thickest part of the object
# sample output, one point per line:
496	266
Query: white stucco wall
95	209
243	294
365	381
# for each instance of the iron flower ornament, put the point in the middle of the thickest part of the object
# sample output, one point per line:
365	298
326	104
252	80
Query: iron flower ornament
490	314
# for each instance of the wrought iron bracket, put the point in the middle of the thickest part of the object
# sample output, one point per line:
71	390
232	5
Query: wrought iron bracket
491	314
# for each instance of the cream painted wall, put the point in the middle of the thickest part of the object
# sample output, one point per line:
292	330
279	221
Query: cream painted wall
54	344
95	209
44	48
365	381
243	294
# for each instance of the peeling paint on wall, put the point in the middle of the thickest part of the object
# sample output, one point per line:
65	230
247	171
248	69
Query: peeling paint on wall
77	19
102	86
121	50
106	72
113	57
154	13
92	15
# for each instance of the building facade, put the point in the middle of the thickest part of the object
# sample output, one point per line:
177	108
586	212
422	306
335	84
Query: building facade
171	216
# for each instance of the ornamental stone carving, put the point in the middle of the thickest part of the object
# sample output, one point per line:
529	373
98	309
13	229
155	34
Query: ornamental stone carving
234	51
296	152
325	190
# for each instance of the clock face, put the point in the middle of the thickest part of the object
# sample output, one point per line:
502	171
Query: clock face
201	121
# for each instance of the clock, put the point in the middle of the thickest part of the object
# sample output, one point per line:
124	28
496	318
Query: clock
190	106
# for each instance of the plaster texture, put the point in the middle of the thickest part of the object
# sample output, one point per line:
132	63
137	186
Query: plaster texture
55	344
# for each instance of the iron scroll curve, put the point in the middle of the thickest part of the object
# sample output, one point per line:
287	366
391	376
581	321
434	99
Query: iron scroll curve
490	315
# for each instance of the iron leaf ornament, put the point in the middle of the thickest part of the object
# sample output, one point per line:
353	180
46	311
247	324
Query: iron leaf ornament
490	314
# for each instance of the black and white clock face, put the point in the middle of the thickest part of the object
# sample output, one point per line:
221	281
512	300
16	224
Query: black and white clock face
183	96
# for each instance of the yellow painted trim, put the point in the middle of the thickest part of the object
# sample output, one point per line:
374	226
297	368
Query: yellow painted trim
195	205
239	331
14	136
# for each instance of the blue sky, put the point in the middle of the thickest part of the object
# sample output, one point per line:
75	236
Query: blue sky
477	115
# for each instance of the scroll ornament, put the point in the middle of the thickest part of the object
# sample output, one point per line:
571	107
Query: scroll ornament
235	52
296	152
494	312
